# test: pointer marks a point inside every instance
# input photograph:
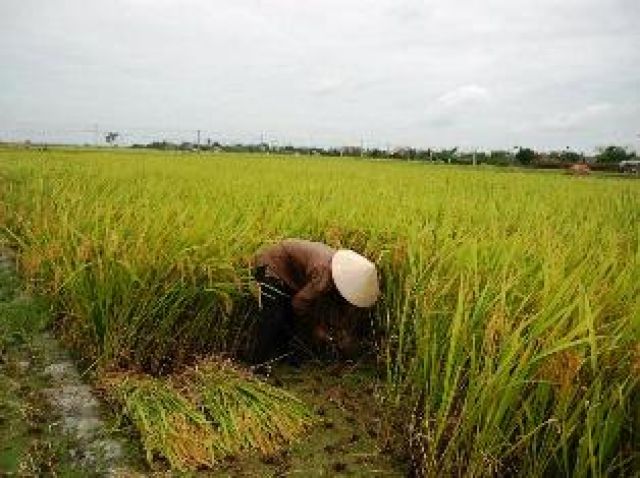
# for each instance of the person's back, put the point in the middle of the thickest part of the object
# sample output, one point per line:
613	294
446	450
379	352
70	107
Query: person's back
303	266
300	279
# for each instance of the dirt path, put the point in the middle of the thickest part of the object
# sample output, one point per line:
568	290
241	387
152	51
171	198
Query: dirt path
50	421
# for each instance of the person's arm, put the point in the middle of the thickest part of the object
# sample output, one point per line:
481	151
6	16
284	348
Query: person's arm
318	285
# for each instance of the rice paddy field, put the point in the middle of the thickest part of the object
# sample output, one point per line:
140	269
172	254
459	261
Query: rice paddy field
506	341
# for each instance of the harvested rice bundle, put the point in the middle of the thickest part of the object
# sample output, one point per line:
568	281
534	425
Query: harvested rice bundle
248	413
208	412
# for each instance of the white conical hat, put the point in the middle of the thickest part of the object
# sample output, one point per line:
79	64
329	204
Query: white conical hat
355	278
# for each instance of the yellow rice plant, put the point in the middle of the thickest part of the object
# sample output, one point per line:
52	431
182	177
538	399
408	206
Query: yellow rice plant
208	412
509	323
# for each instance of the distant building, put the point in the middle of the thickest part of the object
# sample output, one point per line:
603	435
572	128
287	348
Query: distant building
630	166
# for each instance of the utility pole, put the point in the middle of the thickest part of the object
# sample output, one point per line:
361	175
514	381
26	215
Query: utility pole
95	134
263	146
198	140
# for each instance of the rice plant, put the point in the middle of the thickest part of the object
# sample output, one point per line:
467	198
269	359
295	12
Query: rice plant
508	331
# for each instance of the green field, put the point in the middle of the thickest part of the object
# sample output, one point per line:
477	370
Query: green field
508	333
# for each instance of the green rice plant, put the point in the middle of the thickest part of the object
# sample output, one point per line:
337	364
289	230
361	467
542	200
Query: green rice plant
209	412
508	328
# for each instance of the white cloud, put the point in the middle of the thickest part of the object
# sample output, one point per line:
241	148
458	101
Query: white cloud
327	85
464	95
492	74
579	117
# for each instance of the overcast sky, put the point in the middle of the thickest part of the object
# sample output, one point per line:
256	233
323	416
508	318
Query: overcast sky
475	74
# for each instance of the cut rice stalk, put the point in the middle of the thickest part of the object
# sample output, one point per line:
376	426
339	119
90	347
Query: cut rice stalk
208	412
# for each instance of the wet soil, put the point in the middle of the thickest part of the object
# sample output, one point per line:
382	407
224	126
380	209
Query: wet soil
51	424
347	438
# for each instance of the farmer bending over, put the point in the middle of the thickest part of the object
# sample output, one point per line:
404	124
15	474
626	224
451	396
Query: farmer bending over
297	279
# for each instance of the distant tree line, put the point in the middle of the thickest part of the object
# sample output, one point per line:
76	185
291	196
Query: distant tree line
606	157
